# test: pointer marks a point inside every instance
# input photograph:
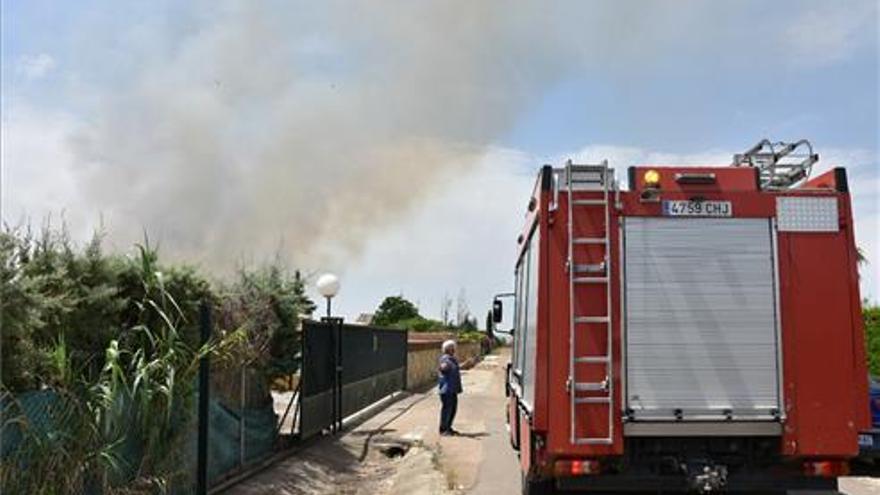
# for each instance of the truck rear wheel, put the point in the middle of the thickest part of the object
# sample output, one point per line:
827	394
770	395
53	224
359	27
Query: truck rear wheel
533	486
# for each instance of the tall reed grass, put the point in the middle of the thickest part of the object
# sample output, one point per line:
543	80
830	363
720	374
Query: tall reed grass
100	359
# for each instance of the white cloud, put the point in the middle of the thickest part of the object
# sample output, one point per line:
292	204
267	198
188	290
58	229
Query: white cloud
35	66
830	33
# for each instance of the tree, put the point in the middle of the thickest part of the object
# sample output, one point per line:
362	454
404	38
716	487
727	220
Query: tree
445	309
395	309
490	325
469	324
305	305
462	311
264	303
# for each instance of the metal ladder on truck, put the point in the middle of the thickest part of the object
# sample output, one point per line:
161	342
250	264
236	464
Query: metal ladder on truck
590	178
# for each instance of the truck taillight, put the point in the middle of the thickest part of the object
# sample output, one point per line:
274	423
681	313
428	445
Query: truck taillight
576	467
826	469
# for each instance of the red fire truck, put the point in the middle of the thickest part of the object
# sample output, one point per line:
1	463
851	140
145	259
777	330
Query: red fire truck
698	331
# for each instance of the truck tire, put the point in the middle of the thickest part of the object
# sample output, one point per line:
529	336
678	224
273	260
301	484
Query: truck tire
532	486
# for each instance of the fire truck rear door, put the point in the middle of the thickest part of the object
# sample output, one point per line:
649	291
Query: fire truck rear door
700	319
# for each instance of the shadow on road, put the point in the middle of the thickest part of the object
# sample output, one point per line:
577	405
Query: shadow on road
475	436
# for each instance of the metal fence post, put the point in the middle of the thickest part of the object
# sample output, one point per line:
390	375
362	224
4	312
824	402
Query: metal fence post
335	325
204	386
405	360
334	396
339	365
241	426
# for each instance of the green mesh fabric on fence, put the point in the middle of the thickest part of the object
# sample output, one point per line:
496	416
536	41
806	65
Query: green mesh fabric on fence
34	410
224	438
35	406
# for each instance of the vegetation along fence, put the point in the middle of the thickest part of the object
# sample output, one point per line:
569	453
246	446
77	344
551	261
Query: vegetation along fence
101	360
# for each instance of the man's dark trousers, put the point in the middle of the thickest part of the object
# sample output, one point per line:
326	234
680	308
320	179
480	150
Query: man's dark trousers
447	411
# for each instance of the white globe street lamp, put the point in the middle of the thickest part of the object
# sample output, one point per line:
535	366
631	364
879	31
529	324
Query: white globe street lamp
328	286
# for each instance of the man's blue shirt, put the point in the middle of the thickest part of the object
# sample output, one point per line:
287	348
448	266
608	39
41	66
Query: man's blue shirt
449	380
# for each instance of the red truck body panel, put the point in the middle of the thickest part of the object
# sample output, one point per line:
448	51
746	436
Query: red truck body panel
824	375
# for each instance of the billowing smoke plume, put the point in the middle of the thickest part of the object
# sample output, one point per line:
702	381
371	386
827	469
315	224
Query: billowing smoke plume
240	128
252	129
260	130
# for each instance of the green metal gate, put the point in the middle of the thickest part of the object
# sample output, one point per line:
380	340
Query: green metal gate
346	368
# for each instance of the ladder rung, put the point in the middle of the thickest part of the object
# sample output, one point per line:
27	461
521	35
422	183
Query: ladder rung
588	174
591	359
587	177
587	168
591	386
589	202
590	240
590	267
592	400
593	441
591	319
590	280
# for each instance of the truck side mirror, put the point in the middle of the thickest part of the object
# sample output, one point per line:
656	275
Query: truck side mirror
497	311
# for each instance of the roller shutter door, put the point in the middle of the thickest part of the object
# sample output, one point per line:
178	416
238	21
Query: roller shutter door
700	319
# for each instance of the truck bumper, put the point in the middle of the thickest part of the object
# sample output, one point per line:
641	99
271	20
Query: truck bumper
623	483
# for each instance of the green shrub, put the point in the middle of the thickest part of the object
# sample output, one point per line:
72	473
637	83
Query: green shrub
112	341
871	315
398	312
471	336
266	304
420	324
50	290
117	412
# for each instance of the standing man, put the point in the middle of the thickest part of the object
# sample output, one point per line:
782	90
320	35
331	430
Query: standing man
449	383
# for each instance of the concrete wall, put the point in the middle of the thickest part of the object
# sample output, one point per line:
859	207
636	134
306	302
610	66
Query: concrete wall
423	356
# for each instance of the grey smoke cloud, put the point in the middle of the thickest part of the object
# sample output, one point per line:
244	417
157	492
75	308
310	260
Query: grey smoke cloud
242	126
304	127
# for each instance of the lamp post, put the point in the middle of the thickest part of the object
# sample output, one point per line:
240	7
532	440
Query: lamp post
328	286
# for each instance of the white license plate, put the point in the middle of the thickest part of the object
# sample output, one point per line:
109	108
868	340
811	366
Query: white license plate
676	208
866	440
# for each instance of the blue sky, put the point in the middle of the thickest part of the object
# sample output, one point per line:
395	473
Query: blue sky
224	127
678	108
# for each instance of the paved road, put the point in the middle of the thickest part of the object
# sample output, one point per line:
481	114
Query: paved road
480	462
860	486
499	472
